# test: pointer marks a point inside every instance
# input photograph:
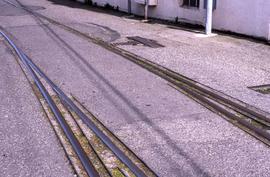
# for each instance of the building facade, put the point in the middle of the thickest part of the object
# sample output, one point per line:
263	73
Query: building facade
248	17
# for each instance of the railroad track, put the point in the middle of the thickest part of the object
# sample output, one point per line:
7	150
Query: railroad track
248	118
91	148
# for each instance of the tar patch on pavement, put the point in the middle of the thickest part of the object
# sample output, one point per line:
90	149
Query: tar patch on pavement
146	42
129	42
136	40
264	89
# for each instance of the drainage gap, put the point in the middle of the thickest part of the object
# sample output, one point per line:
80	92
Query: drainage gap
264	89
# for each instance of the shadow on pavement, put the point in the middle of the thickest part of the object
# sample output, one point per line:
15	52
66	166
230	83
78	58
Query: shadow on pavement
102	83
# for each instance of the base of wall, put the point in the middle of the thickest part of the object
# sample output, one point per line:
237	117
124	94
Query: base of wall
205	35
242	36
179	24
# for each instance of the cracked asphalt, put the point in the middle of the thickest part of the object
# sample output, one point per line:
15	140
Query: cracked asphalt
172	134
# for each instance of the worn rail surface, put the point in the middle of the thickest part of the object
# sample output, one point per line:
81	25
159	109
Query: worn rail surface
136	167
250	119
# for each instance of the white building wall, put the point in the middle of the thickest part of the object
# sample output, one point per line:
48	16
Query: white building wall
170	9
122	4
250	17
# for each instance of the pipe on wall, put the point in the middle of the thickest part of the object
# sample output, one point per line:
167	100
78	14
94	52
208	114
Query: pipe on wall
129	7
146	10
209	17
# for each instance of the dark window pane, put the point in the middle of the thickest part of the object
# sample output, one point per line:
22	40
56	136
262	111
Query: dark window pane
193	3
186	3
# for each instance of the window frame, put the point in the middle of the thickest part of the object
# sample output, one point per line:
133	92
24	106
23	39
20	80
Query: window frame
187	3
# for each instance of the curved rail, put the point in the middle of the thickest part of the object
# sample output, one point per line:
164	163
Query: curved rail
91	171
105	139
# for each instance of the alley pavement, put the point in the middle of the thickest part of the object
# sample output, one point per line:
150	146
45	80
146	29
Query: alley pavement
171	133
28	145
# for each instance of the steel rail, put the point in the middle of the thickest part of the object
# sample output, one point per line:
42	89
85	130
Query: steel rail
158	69
264	133
214	106
110	133
85	119
138	172
199	90
174	78
162	71
91	171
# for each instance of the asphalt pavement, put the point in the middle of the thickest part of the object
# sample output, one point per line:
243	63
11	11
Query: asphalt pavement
28	145
172	134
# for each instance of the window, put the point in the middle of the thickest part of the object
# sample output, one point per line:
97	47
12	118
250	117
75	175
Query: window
192	3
